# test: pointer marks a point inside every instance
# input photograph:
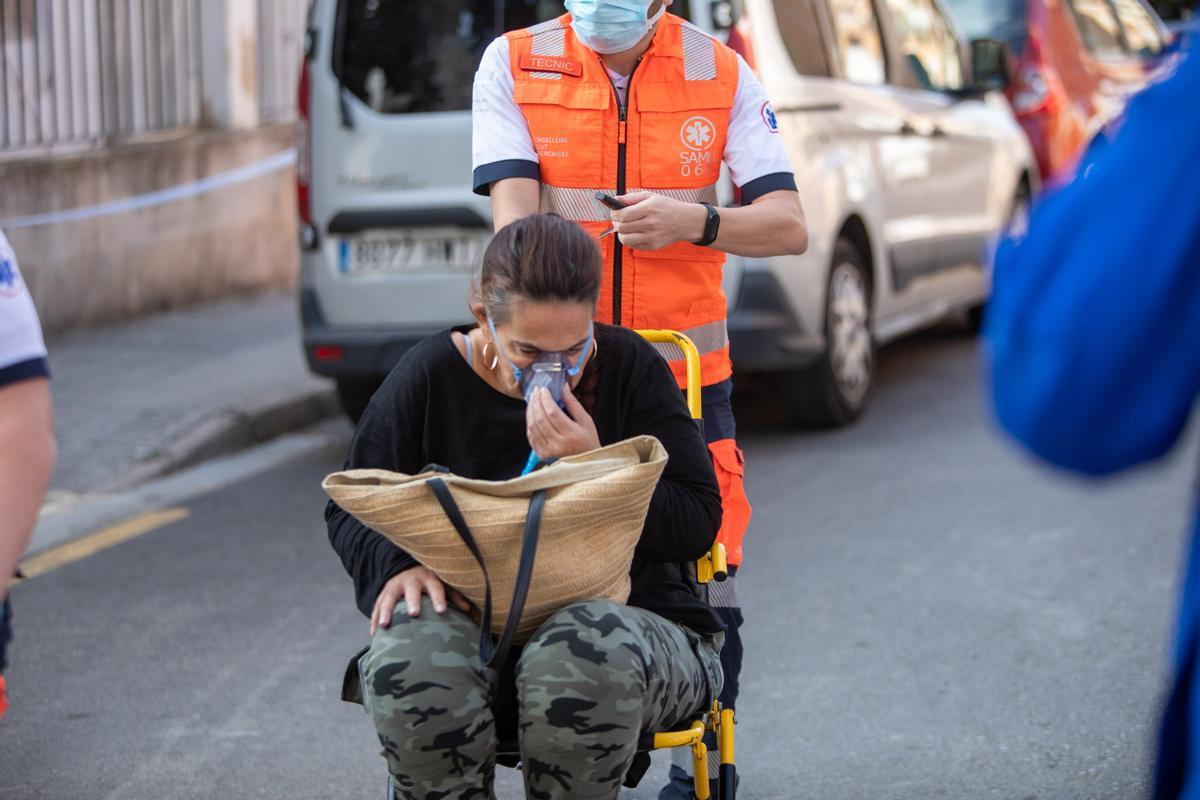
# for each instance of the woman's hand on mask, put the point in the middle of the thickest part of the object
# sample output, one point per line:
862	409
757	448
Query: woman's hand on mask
409	585
555	433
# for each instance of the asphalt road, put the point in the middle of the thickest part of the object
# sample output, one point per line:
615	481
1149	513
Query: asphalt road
929	615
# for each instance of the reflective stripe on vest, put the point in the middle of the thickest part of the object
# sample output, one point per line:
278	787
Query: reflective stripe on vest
699	55
708	338
672	140
581	205
549	39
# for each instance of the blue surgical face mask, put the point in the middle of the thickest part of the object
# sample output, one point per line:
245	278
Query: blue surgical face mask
551	370
611	26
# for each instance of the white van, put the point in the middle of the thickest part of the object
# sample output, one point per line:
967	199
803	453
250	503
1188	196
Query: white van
905	171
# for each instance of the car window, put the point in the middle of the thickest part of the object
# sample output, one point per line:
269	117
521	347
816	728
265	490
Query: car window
928	44
1173	9
1098	27
800	28
1141	31
407	57
1004	20
859	43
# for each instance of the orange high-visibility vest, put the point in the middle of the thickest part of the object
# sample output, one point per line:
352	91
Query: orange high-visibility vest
669	139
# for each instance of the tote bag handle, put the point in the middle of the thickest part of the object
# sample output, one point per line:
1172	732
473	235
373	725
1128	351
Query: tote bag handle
492	654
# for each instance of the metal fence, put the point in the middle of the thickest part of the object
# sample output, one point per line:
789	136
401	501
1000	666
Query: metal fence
280	43
78	72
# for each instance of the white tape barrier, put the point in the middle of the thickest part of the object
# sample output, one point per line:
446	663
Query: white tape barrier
221	180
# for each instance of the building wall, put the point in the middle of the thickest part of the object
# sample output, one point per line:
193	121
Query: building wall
113	266
120	107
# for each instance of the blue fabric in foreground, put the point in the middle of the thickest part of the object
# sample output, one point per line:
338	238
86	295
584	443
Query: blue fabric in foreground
1093	333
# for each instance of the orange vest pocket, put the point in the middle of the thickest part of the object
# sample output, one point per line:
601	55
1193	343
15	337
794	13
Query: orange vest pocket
566	92
729	464
680	133
566	122
710	308
685	252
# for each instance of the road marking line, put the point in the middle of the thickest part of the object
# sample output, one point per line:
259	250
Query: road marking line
103	539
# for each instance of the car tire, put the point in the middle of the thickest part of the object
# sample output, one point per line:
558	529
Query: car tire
355	394
1018	223
835	391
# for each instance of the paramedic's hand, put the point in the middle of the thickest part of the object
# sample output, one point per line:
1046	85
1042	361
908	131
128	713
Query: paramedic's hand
653	221
554	433
409	586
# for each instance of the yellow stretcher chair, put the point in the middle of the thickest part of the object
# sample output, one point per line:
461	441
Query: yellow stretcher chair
716	720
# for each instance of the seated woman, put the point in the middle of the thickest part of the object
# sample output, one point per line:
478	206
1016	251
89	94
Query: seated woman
597	674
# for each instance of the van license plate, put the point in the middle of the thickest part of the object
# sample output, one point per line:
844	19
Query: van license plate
366	255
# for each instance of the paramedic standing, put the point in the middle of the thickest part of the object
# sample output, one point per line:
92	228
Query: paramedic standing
26	430
619	97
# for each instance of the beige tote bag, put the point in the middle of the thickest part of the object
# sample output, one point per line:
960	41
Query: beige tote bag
595	505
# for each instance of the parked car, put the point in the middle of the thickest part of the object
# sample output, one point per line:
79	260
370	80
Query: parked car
1175	11
906	168
390	230
908	164
1076	62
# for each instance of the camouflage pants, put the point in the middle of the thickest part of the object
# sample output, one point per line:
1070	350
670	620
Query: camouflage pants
588	683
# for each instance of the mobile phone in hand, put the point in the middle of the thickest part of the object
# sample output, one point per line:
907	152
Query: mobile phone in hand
610	201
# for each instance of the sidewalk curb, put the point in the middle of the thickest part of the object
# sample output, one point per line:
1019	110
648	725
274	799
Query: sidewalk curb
233	430
92	512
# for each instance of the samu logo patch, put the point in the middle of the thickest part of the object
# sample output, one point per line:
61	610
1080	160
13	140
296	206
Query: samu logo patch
769	118
10	278
697	133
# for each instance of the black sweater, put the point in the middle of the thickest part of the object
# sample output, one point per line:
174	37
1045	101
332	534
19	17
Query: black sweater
434	409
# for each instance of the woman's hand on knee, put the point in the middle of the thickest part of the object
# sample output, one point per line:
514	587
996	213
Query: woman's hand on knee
408	586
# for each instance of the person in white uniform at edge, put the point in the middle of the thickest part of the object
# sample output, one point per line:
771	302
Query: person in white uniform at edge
27	448
511	166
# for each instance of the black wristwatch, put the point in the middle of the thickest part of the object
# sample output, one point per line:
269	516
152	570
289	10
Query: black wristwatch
711	226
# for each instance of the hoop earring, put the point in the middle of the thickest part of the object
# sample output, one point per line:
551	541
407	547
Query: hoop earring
495	359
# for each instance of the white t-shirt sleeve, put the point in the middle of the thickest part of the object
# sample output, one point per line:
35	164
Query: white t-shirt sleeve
501	144
22	350
754	151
